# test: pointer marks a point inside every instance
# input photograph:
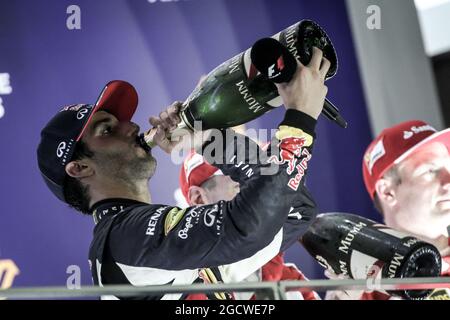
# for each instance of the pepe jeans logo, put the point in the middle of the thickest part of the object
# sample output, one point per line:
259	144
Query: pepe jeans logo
191	219
60	149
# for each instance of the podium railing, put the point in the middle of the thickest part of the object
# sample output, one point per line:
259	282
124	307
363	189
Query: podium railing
269	290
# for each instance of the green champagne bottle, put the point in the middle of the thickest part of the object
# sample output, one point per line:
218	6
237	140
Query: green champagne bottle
235	93
360	248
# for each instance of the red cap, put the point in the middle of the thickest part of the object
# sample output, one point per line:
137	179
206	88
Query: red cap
194	172
119	98
394	144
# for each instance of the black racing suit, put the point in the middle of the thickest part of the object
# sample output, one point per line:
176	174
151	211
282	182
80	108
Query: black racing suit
150	244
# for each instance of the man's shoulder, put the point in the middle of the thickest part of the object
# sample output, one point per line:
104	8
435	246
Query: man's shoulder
116	213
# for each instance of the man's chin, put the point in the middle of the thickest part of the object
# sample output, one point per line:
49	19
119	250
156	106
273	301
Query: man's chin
143	167
141	152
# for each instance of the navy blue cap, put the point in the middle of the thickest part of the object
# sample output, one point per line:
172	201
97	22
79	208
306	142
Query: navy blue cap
61	134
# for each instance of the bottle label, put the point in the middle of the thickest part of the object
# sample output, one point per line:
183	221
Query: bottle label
289	39
346	243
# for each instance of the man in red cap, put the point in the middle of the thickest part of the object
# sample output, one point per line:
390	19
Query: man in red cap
202	183
406	172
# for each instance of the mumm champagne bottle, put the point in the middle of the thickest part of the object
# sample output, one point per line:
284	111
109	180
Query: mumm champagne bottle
363	249
235	92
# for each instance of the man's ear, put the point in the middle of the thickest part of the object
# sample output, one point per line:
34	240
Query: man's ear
385	190
197	195
79	169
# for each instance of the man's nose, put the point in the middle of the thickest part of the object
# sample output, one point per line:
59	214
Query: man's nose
130	129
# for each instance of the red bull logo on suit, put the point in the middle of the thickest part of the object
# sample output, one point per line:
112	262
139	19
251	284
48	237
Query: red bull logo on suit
291	151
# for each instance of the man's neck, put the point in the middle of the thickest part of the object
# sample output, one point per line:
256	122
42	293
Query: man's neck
138	191
441	242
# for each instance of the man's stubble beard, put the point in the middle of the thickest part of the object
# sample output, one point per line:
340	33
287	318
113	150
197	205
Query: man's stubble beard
129	171
142	168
